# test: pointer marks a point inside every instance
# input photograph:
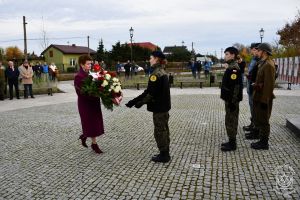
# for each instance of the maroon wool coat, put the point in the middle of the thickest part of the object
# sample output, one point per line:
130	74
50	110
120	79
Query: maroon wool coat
89	109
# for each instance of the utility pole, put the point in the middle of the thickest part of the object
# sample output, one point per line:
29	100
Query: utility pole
88	39
221	56
25	38
193	52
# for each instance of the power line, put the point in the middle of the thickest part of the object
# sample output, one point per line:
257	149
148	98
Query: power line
54	38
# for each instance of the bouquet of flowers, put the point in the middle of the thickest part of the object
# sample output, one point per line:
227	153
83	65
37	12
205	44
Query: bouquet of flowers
103	84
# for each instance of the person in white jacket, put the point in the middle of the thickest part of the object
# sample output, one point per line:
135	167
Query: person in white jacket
52	71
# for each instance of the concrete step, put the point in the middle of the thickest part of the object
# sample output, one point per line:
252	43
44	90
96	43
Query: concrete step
293	123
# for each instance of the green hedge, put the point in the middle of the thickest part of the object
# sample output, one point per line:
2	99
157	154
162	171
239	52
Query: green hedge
71	69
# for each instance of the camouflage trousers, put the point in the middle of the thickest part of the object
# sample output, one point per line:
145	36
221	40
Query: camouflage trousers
262	118
231	120
161	130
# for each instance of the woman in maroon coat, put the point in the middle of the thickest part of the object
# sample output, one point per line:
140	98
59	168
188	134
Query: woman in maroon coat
89	107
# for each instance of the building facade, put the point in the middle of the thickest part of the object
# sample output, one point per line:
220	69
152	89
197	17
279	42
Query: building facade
65	56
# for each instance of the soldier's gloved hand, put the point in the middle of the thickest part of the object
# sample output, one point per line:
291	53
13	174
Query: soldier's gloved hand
130	103
232	107
139	104
263	106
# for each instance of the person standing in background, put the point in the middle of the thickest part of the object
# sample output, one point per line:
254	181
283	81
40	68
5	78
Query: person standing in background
26	73
2	81
242	65
12	75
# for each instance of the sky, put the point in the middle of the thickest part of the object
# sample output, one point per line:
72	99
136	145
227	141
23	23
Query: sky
211	25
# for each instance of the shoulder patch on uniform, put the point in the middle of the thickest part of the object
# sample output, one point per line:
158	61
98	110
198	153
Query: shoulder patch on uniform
233	76
153	78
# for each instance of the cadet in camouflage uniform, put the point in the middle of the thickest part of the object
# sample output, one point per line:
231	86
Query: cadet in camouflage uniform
263	95
232	94
2	81
158	100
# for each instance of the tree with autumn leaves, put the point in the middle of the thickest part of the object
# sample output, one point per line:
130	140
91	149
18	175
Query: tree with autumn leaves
11	53
289	38
288	44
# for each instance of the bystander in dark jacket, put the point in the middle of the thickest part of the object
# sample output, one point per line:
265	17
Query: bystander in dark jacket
12	75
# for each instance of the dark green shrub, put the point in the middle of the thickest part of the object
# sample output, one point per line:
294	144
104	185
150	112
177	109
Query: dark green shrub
71	69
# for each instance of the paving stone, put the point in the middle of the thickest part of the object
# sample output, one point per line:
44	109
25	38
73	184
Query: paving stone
41	157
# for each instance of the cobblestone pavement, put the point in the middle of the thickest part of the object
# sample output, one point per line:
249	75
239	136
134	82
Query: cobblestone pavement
41	157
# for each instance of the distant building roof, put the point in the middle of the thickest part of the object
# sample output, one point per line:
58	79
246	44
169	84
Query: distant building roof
147	45
171	49
70	49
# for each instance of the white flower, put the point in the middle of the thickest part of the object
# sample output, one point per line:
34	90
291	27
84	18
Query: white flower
94	75
117	89
105	83
107	76
115	79
115	84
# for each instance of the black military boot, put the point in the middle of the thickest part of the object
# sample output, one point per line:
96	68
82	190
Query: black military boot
253	135
229	146
262	144
163	157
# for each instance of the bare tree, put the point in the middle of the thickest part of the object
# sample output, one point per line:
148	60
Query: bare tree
44	39
239	46
276	46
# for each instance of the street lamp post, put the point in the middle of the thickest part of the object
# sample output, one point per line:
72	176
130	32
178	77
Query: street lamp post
261	33
131	35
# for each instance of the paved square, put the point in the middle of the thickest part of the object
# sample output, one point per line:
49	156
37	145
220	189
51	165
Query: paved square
41	157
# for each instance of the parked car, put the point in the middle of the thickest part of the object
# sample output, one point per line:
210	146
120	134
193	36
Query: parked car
139	68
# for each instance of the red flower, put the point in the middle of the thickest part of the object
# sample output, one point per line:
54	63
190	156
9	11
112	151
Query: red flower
101	78
112	74
97	68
